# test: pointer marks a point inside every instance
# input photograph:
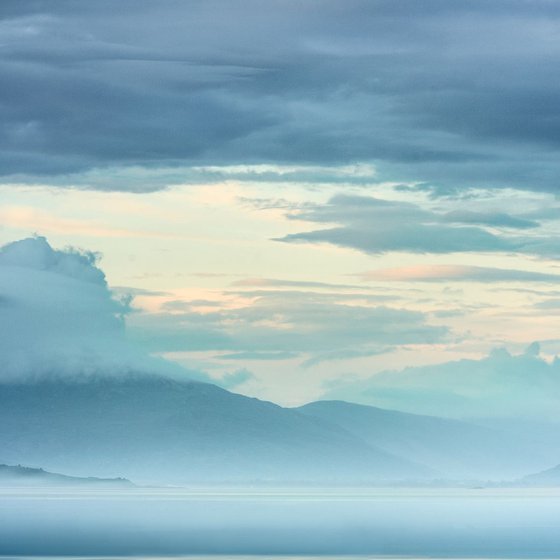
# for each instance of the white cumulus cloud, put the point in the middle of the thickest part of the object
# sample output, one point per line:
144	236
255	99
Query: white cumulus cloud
59	317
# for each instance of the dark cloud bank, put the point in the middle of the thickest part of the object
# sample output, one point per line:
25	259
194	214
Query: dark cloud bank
450	93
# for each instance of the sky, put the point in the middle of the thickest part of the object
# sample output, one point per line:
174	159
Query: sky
305	200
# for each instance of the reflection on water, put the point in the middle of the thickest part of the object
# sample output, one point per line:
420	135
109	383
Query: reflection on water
154	521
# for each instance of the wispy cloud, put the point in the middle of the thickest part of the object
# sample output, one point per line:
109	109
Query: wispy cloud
282	283
457	273
273	323
32	219
375	226
258	356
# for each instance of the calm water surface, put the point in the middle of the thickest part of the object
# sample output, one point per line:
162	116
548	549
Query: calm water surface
157	522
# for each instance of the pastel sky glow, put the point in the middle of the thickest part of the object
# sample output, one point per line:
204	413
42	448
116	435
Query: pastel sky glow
297	199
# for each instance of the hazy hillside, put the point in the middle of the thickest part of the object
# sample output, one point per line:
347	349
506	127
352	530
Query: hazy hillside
456	448
549	477
16	475
157	429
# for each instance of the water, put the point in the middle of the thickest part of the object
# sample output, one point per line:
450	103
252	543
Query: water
491	523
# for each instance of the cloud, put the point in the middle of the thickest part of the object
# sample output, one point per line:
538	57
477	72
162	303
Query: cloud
548	304
282	283
257	356
375	225
356	174
453	94
275	322
497	219
334	355
457	273
499	385
59	317
235	378
36	254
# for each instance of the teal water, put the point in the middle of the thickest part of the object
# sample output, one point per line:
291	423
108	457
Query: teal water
167	522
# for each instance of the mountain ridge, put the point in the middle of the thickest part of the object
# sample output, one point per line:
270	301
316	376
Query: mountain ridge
30	476
548	477
457	448
153	428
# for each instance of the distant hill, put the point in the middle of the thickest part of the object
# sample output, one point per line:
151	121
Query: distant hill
155	429
26	476
549	477
457	449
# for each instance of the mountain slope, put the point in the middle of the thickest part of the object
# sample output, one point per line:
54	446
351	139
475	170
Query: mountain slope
456	448
25	476
157	429
549	477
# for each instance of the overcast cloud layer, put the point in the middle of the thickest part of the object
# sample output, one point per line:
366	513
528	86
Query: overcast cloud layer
448	94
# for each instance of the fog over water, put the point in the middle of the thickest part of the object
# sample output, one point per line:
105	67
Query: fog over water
151	521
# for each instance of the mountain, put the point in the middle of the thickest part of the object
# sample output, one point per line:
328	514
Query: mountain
26	476
455	448
549	477
156	429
